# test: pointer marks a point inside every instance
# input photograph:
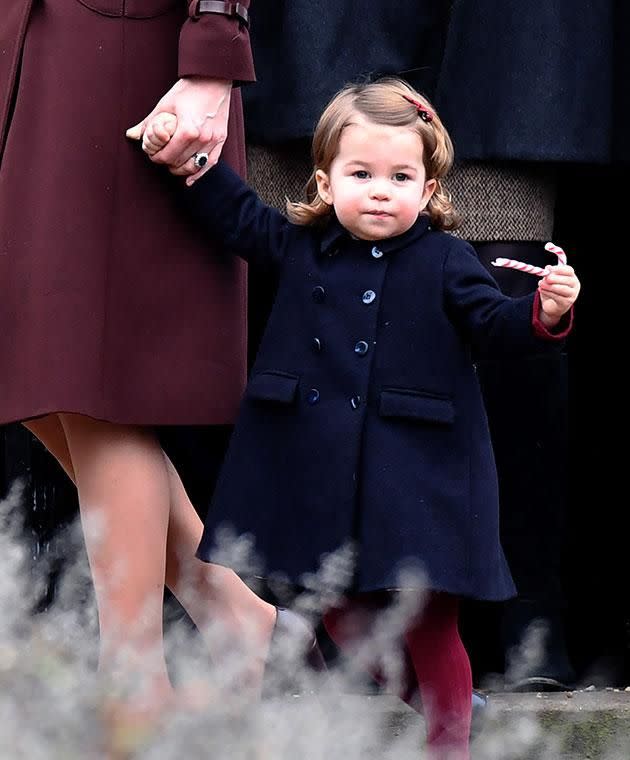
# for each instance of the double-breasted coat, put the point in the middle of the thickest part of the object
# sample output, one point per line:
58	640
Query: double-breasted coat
363	418
109	304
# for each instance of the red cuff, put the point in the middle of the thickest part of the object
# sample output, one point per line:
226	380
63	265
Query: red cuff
560	331
216	46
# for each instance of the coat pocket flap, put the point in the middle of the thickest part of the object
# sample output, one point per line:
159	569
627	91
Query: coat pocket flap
273	386
416	406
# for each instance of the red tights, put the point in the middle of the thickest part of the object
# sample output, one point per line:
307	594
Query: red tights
437	678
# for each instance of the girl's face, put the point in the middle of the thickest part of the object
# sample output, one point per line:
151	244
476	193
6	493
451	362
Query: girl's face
377	181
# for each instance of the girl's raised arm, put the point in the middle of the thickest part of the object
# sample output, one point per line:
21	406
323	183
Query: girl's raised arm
227	209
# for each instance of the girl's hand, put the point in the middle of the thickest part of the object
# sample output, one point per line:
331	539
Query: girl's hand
201	107
158	132
558	290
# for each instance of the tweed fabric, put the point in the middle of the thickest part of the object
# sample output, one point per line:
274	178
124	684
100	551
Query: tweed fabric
496	201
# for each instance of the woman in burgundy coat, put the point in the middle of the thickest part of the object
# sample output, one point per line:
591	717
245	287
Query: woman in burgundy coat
114	318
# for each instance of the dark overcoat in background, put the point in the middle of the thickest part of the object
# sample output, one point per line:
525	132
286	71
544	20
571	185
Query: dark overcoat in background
512	80
537	81
109	304
363	418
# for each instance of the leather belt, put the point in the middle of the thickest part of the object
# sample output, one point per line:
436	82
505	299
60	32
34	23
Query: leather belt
234	10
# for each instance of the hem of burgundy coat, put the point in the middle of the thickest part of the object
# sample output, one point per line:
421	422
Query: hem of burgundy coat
559	332
226	416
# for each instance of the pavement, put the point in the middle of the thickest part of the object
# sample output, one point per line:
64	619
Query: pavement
589	724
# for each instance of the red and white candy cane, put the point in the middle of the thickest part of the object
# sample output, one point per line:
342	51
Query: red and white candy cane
562	257
530	268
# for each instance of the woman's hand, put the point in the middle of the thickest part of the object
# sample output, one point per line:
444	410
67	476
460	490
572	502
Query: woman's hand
558	290
201	108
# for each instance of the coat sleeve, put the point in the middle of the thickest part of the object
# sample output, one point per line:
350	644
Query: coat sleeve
228	210
214	45
496	325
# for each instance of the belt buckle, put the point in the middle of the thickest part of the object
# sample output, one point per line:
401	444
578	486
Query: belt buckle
233	10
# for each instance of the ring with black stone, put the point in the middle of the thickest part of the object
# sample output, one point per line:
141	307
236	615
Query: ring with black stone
200	160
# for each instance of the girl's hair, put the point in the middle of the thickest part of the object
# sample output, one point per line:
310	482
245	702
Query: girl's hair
392	102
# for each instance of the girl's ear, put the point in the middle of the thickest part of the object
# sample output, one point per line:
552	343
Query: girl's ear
323	186
429	188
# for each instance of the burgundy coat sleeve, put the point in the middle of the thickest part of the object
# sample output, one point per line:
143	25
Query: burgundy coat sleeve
559	332
218	46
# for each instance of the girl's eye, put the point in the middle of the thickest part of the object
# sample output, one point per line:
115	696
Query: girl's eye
401	177
360	174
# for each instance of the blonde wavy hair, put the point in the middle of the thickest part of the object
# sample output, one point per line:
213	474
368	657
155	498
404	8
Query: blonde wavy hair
381	102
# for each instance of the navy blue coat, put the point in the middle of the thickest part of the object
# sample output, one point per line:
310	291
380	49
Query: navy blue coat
363	418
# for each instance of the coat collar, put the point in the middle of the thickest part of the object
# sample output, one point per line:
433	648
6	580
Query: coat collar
334	236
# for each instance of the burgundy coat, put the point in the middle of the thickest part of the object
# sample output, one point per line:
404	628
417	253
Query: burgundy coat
109	304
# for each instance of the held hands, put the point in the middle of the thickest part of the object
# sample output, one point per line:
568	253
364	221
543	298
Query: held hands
558	291
190	119
158	132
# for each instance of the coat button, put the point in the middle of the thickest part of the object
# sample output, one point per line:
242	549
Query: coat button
319	294
355	402
361	348
317	345
313	396
368	296
376	252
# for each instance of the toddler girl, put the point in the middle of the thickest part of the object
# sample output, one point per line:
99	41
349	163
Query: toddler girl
363	419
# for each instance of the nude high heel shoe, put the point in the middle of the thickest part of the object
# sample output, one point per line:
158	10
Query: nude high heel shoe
294	657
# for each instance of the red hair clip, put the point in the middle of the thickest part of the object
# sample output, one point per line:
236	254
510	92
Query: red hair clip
423	111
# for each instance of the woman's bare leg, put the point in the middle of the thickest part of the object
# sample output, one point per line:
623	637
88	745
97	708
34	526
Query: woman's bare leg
124	503
208	592
49	432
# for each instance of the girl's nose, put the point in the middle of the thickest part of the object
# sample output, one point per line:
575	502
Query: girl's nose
379	189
